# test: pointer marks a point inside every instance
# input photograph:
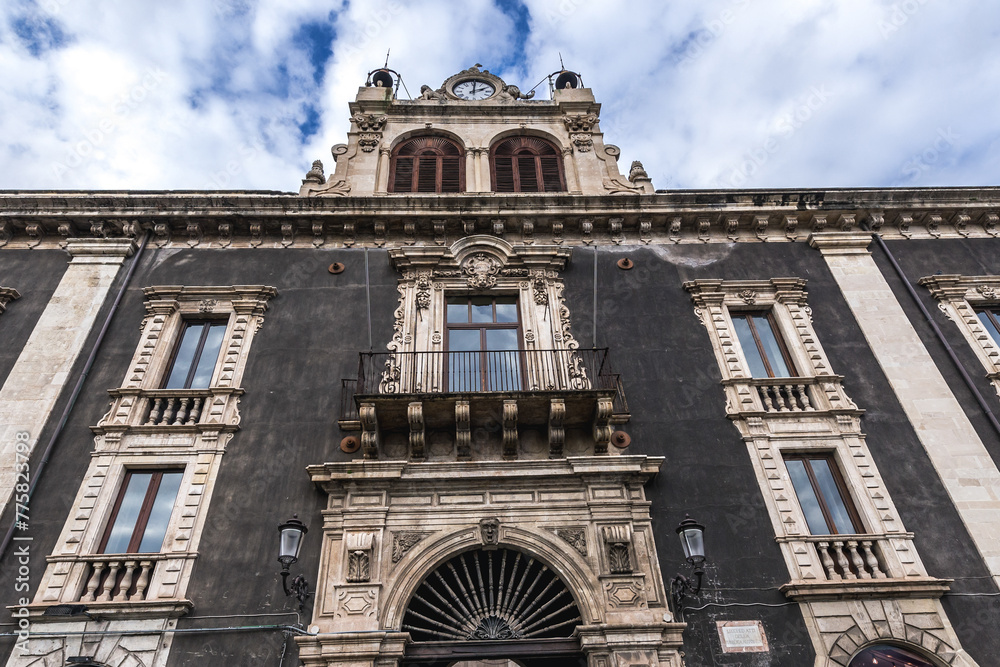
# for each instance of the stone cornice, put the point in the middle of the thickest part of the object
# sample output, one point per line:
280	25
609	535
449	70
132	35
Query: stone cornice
485	471
242	218
866	589
841	243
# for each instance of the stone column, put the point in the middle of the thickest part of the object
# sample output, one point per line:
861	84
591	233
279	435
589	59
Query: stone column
969	474
382	175
43	368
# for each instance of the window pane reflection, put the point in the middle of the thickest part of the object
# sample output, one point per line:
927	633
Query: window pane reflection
807	497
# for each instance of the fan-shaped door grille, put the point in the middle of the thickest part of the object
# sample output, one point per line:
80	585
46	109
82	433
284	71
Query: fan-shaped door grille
498	594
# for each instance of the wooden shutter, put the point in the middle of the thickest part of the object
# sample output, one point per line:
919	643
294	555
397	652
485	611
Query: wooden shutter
427	165
526	164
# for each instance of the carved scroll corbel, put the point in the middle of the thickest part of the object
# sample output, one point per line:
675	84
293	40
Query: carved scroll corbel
557	433
602	425
369	430
415	416
463	433
510	429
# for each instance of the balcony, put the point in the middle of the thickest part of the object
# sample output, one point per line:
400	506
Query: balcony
857	566
172	410
494	395
795	396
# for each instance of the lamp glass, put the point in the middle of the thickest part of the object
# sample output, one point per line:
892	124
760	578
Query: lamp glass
693	542
291	539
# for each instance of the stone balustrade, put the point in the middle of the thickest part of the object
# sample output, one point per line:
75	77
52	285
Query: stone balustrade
850	557
119	578
171	408
798	396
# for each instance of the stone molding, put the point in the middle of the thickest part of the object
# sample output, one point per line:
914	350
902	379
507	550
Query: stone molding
7	294
256	219
841	243
100	250
390	498
958	298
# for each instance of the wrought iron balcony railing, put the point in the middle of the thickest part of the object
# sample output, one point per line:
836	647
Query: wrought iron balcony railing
485	371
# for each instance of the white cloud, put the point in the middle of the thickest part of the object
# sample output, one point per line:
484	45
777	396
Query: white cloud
721	93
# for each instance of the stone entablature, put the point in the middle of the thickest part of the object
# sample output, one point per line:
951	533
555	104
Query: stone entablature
586	518
278	220
959	298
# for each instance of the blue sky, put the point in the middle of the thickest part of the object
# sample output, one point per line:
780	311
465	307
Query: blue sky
245	94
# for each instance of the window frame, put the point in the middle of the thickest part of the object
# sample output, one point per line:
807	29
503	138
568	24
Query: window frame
185	325
838	477
514	156
483	327
992	312
145	511
761	350
416	159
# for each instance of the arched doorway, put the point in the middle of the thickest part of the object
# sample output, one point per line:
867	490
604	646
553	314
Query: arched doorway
885	655
493	606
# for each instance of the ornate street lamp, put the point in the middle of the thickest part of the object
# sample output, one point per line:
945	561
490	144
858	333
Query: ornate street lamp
290	542
692	536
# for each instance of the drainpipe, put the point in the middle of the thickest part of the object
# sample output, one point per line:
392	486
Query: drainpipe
40	468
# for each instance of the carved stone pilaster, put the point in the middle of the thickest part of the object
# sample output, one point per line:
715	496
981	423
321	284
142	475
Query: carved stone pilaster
617	543
359	556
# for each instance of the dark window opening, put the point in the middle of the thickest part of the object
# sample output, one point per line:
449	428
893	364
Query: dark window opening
196	355
526	164
765	351
822	495
483	343
427	165
142	511
990	319
884	655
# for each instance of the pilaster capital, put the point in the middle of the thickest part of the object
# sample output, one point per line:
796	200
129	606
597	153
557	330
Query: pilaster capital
841	243
99	251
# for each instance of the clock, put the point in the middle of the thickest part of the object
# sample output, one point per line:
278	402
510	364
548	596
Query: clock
473	89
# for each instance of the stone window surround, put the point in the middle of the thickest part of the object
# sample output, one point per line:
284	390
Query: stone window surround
830	426
785	300
488	265
124	443
959	298
167	308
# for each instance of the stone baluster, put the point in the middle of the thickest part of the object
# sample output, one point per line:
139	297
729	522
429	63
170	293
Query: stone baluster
143	582
126	581
842	562
858	564
109	582
182	411
871	560
803	393
780	392
195	410
168	414
824	556
154	413
93	582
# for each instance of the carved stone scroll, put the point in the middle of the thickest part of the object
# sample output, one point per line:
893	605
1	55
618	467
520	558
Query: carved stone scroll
557	433
369	430
415	416
463	433
510	429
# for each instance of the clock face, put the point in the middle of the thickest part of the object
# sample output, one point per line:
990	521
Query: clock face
473	89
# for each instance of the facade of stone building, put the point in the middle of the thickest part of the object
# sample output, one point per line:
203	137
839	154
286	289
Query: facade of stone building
491	374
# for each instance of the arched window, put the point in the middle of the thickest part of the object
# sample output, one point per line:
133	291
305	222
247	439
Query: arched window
526	164
427	165
884	655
